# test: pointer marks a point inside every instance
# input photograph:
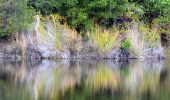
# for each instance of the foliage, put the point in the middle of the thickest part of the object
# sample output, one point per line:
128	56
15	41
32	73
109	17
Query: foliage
141	37
84	14
155	9
151	35
125	44
15	15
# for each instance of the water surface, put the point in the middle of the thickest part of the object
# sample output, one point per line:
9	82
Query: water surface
84	80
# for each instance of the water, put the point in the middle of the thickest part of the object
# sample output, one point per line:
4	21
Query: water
84	80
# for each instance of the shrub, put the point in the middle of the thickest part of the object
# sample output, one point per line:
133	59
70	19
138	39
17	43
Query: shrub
126	44
83	14
15	16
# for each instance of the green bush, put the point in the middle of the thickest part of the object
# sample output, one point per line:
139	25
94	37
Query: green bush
125	44
15	16
84	14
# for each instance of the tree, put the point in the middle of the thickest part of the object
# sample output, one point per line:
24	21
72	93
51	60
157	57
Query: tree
83	14
15	15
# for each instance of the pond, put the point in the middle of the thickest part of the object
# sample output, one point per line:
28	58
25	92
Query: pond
84	80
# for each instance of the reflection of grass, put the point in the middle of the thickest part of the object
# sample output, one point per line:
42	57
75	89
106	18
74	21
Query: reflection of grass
143	85
10	92
97	86
150	88
65	84
80	94
104	78
124	72
49	84
151	82
53	85
161	94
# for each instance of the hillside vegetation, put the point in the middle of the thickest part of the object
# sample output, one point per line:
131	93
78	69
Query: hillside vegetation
132	25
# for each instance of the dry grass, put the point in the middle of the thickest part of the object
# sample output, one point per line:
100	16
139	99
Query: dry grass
23	47
51	34
103	39
136	39
142	37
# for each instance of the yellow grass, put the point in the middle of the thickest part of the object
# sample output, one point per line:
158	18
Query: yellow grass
23	47
54	34
142	37
104	40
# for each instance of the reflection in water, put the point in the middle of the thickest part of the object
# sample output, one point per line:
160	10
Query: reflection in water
84	79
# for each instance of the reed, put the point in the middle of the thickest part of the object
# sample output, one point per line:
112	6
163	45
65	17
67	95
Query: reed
142	37
59	35
103	39
23	47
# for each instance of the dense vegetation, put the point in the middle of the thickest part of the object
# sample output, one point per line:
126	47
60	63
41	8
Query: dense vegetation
15	16
83	15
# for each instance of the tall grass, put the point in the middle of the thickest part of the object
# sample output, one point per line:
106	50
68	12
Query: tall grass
50	35
64	36
142	37
23	47
103	39
136	39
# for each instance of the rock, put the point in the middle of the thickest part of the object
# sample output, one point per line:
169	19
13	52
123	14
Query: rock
32	53
115	53
154	53
16	54
118	53
13	51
